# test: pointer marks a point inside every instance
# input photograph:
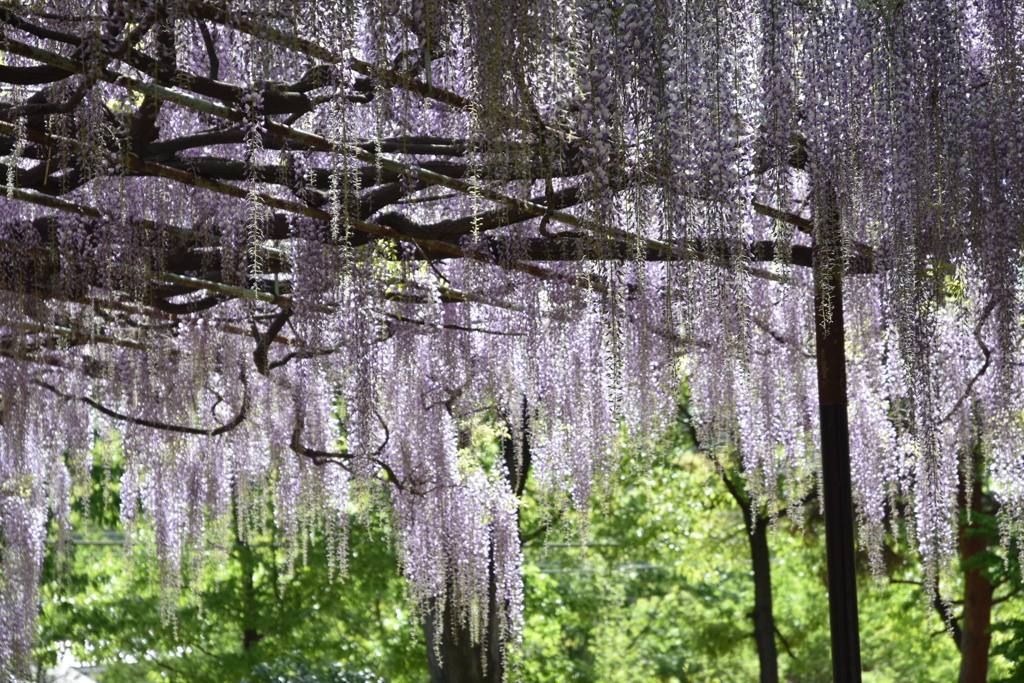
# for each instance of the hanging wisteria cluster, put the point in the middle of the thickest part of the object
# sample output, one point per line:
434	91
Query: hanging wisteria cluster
288	249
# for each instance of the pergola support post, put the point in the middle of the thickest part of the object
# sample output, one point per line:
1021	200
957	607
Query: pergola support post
830	342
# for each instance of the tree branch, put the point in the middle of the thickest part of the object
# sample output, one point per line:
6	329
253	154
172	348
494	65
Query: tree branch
238	419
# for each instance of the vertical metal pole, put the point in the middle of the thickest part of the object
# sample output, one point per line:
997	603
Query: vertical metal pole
835	448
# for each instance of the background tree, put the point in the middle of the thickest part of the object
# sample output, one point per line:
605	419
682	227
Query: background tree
659	589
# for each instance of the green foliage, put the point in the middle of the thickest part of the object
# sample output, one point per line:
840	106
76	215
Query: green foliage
244	616
113	616
662	591
658	588
297	670
1010	648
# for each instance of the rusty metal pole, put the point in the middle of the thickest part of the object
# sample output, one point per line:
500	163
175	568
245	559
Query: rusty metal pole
830	338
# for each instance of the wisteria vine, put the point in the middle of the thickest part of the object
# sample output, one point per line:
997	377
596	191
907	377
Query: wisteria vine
228	225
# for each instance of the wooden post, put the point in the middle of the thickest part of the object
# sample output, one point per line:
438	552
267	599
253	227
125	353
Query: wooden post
830	340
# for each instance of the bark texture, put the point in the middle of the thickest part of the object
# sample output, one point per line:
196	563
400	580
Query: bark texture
975	634
764	618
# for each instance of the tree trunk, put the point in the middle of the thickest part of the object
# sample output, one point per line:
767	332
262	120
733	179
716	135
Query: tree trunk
764	619
975	637
760	560
451	654
249	600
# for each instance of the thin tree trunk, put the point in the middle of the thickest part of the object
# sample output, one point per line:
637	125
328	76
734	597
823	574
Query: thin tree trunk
975	637
250	616
760	560
250	603
764	618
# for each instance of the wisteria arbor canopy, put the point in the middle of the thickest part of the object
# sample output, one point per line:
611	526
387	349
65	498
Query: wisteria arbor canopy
228	226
